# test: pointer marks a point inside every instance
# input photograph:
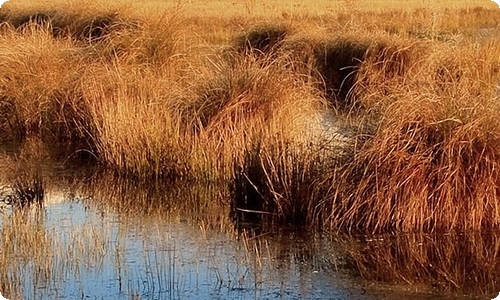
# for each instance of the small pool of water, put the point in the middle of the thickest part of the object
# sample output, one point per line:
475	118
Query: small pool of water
101	255
107	241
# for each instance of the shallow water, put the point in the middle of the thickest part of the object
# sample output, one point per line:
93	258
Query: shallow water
93	251
104	256
105	239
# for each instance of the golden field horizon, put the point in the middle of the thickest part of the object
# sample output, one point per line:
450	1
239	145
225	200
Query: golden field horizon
225	8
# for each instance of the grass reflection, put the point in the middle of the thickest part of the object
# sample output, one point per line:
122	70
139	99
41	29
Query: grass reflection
465	262
109	236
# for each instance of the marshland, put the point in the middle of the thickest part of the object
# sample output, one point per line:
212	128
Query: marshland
249	149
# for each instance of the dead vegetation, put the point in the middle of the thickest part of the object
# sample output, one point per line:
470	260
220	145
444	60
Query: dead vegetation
315	120
342	119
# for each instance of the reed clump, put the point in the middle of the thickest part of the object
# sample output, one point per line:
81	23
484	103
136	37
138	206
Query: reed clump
272	181
136	128
431	164
245	102
38	85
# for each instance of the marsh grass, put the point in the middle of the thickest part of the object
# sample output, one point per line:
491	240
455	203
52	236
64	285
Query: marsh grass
432	156
249	100
36	101
152	97
409	99
79	25
337	63
135	126
272	181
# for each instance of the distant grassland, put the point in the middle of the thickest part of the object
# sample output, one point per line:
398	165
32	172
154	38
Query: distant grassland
226	8
349	115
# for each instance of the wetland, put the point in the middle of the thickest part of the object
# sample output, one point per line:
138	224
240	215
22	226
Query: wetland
253	150
102	238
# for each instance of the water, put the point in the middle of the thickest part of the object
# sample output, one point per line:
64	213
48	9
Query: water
105	255
103	238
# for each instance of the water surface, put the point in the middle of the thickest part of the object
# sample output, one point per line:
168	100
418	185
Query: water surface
103	239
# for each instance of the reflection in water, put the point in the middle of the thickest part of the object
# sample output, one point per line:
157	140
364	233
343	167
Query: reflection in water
106	238
116	241
456	261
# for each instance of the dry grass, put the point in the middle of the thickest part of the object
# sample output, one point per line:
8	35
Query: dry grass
431	164
135	124
39	94
166	90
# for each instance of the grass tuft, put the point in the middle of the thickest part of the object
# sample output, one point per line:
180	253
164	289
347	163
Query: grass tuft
431	164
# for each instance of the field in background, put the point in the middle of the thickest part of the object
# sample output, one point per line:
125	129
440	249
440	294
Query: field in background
227	8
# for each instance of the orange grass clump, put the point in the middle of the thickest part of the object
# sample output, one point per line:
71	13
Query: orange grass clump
432	163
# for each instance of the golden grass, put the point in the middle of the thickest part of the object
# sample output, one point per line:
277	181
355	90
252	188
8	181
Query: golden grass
431	164
38	85
253	8
135	125
170	90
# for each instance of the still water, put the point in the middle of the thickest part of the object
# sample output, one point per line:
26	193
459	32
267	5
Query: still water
106	239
